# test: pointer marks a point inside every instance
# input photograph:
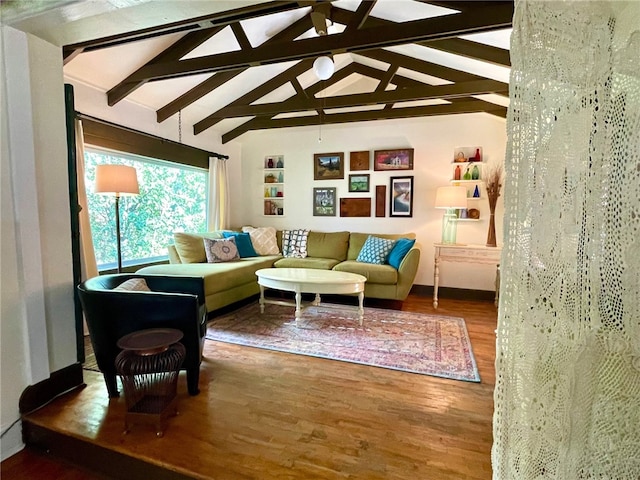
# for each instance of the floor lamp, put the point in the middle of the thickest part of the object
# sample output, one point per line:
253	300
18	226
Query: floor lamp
117	180
450	198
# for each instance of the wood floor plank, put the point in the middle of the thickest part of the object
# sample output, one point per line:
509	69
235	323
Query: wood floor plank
271	415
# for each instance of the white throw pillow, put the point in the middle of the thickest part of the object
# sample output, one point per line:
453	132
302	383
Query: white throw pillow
263	240
133	285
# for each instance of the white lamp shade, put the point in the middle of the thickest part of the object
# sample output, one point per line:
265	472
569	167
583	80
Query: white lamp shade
116	180
323	67
451	197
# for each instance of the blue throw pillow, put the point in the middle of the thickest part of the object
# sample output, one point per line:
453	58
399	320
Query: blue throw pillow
243	242
400	250
375	250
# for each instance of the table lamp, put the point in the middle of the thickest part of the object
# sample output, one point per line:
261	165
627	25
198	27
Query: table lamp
450	198
117	180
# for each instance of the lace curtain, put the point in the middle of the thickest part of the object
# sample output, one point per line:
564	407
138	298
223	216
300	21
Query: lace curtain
567	397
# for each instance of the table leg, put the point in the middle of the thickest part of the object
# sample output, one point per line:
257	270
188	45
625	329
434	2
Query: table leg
298	309
360	307
436	280
261	299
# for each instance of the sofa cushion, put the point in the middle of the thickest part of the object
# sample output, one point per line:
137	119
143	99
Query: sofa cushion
190	246
133	285
294	243
380	274
375	250
309	262
221	250
243	242
356	241
400	250
263	240
328	245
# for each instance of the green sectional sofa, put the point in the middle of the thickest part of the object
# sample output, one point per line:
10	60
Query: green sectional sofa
229	282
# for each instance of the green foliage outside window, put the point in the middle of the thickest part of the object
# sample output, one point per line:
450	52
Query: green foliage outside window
172	198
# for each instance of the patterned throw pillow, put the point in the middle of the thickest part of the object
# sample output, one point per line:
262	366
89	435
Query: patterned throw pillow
133	285
375	250
294	243
263	240
219	251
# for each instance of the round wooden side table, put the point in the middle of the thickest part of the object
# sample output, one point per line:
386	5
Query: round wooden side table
149	364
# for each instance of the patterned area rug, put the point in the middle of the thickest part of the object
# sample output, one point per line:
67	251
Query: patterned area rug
411	342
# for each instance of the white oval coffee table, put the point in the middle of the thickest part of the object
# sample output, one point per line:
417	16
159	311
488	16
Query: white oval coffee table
309	280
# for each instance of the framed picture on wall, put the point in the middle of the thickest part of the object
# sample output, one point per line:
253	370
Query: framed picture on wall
359	183
328	166
390	160
401	204
324	202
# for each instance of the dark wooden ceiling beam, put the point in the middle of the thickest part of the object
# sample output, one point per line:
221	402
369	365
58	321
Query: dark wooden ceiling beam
426	92
176	51
470	49
256	93
361	15
384	82
480	20
223	18
241	36
421	66
287	34
312	90
458	46
470	106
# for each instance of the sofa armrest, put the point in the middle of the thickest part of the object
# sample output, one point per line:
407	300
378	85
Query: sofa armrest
407	272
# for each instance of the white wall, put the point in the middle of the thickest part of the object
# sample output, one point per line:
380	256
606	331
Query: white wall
433	140
38	322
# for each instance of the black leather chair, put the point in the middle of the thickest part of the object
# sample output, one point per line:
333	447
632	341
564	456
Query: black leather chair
174	302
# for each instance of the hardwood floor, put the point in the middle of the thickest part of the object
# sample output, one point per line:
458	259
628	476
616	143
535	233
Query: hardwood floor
270	415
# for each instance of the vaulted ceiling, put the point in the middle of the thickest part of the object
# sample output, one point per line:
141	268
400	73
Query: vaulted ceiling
251	67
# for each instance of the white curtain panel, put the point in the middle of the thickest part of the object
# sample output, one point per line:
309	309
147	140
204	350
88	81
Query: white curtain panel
218	208
567	397
89	268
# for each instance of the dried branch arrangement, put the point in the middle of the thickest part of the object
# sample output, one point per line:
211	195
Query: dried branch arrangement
493	182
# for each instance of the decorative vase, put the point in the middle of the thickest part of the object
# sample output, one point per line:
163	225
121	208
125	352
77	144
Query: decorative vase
457	173
467	175
475	173
280	178
491	236
476	192
280	163
270	163
477	157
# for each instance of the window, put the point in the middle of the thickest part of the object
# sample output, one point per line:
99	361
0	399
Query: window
173	197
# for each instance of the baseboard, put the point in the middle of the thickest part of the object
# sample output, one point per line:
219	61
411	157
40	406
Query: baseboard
59	382
454	293
95	457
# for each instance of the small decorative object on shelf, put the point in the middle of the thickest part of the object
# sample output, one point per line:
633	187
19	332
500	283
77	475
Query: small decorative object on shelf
493	181
270	163
467	174
280	163
476	192
476	157
475	173
457	173
280	177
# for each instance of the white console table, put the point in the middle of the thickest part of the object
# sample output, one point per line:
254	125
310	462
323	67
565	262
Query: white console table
464	254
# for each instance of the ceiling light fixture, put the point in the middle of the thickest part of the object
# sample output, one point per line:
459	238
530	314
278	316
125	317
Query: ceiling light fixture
323	67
